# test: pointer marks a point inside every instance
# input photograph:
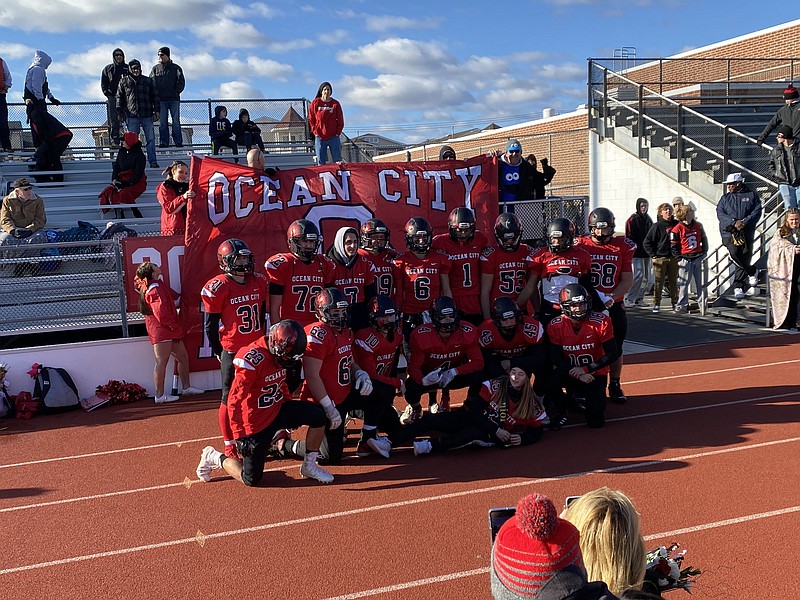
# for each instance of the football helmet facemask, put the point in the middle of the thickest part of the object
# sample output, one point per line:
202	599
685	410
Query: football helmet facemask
228	255
286	341
299	233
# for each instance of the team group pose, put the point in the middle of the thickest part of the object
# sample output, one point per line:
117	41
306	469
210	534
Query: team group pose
532	335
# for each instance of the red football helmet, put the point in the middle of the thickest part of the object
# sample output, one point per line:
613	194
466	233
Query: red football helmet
286	341
228	255
461	224
444	314
419	235
302	231
574	301
370	228
383	313
329	300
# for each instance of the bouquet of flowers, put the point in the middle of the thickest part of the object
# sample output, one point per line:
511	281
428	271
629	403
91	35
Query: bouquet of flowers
665	569
119	392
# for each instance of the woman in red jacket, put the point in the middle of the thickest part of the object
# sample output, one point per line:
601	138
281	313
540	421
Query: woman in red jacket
164	329
326	121
173	194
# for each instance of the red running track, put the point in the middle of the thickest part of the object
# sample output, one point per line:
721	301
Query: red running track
107	504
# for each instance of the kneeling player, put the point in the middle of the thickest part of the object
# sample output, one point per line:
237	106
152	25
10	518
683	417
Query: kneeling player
582	347
260	406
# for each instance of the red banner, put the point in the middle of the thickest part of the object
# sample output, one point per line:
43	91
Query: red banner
234	201
166	252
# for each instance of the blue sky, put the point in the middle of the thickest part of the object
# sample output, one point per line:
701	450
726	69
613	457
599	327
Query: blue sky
408	70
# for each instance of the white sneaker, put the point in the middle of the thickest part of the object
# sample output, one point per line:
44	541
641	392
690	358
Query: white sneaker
422	447
166	398
410	414
738	293
434	408
192	391
381	445
753	281
311	470
656	308
751	291
209	460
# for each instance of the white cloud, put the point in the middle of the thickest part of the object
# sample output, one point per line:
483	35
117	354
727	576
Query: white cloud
265	11
562	72
206	65
234	89
90	62
404	92
227	33
387	22
16	51
337	36
89	91
399	55
108	16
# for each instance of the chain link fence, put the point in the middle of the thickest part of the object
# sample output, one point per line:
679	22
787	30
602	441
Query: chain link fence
536	214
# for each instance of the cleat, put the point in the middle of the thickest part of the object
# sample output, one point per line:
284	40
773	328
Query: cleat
422	447
208	462
411	414
434	408
615	394
192	391
381	445
166	398
557	423
311	470
482	443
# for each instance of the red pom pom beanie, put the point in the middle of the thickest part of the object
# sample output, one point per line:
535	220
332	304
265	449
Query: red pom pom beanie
536	554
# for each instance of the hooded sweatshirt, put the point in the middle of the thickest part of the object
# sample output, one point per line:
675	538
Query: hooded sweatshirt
636	228
36	78
240	128
445	150
219	128
337	252
658	242
112	73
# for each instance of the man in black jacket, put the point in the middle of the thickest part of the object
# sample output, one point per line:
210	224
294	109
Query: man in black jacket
137	103
109	83
784	165
786	115
636	228
169	80
50	137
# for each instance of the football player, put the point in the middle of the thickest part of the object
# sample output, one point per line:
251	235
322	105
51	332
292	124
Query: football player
582	346
261	408
506	265
463	245
297	276
234	304
444	355
612	275
333	379
555	267
375	246
354	275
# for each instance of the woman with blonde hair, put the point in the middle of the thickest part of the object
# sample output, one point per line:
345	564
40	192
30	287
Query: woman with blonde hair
164	329
611	540
783	272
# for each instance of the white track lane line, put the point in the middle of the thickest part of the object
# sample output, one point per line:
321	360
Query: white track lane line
399	504
295	465
485	570
714	372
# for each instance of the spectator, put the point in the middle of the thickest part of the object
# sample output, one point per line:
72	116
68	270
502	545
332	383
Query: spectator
50	137
22	220
447	153
611	540
5	85
636	228
247	133
783	268
690	246
220	130
515	175
784	165
255	160
738	211
540	178
537	555
157	304
173	194
326	120
137	102
36	87
109	83
169	82
676	202
657	243
786	115
128	179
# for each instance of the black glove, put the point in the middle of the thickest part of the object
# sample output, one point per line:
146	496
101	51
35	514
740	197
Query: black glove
21	232
246	446
544	161
55	101
760	141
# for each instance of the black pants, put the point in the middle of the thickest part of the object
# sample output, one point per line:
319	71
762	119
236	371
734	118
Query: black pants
593	395
119	213
5	133
227	371
293	414
619	320
741	257
415	390
216	144
48	158
449	430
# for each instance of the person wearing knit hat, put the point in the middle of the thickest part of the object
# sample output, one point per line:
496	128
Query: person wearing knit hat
128	179
170	82
784	165
109	83
515	175
537	555
789	114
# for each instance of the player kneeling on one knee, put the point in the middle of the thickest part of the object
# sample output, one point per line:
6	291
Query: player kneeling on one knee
260	408
582	348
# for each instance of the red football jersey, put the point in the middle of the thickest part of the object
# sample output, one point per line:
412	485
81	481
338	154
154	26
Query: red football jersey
509	269
163	325
557	269
385	270
353	280
585	345
430	352
492	410
689	238
377	355
335	350
465	278
529	333
609	261
239	306
418	281
298	282
258	388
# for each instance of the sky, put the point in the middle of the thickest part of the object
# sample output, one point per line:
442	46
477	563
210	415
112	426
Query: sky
408	70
